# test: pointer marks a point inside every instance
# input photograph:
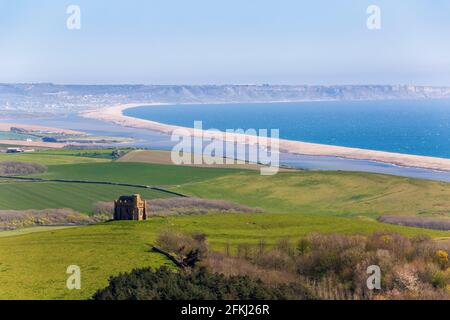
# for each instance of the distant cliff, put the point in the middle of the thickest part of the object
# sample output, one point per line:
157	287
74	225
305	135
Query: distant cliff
46	97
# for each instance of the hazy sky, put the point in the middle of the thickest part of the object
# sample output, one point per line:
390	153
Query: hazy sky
225	41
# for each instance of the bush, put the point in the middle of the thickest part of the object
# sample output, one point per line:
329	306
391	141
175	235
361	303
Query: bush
10	168
198	284
442	259
187	206
188	250
183	206
117	154
317	267
103	207
334	266
419	222
11	220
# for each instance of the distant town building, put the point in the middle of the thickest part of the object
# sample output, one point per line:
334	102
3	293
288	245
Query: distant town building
49	139
18	130
19	150
14	150
130	208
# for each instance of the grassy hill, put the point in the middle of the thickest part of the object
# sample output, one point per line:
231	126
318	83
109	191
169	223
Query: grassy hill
310	192
52	157
164	157
33	266
335	193
80	197
93	165
33	262
329	193
134	173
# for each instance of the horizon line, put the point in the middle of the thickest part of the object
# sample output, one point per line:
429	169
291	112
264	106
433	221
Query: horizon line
225	84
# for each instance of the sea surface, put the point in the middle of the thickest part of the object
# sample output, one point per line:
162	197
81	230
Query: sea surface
410	127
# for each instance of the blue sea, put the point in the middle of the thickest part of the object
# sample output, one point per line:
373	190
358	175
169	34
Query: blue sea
410	127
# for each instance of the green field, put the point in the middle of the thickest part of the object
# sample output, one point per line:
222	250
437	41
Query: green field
80	197
134	173
16	136
48	157
310	192
18	232
16	195
329	193
33	262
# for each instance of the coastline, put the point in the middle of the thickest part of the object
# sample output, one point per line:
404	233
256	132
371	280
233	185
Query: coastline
5	127
35	144
115	115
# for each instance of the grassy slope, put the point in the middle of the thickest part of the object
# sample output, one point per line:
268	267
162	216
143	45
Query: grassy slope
135	173
330	193
164	157
50	157
18	232
80	197
33	265
311	192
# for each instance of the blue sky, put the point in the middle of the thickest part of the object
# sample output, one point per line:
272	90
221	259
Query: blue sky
225	41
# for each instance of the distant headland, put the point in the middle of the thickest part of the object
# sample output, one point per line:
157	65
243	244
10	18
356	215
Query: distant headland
48	98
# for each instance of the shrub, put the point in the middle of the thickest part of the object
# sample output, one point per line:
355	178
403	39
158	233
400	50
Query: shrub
442	258
317	267
189	250
274	259
441	279
11	220
199	284
183	206
11	168
189	206
334	266
303	246
102	207
234	266
420	222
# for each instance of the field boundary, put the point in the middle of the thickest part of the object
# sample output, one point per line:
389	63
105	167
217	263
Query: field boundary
162	189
